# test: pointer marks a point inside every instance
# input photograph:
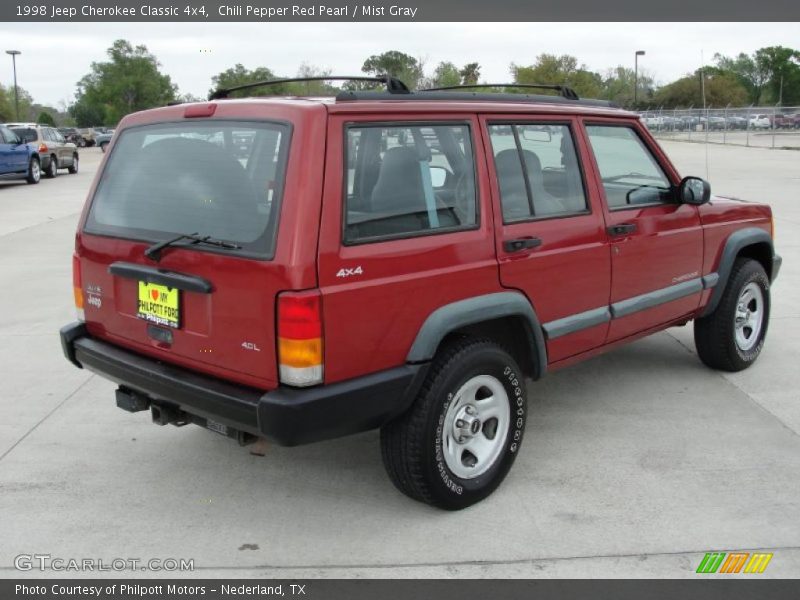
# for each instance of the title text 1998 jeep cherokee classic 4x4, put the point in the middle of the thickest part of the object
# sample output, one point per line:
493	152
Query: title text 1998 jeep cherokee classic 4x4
398	260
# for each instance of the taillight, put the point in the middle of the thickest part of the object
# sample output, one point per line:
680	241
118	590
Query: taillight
77	290
300	338
42	148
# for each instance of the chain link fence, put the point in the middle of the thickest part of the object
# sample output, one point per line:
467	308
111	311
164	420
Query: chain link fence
759	126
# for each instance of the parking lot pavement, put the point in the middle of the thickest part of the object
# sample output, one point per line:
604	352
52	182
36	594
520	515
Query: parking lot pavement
635	463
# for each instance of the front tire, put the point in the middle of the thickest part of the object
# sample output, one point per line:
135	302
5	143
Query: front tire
34	171
73	168
458	440
732	337
103	146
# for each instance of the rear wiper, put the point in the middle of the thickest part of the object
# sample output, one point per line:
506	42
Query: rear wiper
154	251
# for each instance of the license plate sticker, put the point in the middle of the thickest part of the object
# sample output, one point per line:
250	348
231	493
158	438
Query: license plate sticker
159	304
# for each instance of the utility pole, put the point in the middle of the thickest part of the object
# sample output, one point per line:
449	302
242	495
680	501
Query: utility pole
636	74
14	54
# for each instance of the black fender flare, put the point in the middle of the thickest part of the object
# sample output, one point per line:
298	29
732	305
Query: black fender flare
478	309
737	241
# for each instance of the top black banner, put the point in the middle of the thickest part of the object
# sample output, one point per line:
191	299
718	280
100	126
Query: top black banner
398	11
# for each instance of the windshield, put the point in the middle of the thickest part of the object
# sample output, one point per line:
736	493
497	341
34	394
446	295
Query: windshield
218	178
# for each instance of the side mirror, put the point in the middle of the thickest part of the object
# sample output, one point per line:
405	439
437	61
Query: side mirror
694	190
438	176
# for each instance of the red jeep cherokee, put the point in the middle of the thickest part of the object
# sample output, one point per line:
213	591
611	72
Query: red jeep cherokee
299	269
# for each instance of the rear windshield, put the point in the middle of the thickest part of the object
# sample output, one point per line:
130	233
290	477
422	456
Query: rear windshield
26	134
217	178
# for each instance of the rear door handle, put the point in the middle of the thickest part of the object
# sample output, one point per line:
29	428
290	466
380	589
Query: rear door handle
622	229
521	244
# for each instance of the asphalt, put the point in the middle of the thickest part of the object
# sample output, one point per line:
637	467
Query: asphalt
635	463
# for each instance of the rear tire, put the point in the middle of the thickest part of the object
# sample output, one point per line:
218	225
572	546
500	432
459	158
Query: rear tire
458	440
34	171
73	168
103	146
52	168
732	337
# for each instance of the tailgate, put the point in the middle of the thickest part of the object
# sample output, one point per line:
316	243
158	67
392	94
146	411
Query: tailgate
209	304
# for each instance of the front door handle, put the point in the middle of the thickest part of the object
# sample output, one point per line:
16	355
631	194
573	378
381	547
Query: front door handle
521	244
621	229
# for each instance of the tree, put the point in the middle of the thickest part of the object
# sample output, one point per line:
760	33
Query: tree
396	64
470	73
618	84
8	111
560	70
782	65
445	74
312	88
129	81
721	89
770	75
45	118
239	75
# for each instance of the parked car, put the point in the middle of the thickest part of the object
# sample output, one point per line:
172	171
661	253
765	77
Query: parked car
71	134
18	160
104	139
337	276
88	134
55	152
736	122
760	122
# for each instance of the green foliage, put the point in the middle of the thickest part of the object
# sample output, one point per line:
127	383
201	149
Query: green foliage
769	76
721	89
470	74
6	104
7	108
560	70
45	118
239	75
445	74
406	68
618	84
129	81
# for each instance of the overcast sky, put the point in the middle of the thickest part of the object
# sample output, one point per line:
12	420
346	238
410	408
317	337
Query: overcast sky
56	55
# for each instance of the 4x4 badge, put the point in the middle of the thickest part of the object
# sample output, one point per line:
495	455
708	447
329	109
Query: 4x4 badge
350	272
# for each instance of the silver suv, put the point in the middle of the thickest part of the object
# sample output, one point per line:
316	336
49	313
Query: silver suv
55	152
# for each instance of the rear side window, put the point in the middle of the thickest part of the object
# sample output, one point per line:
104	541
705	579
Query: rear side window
218	178
405	180
630	173
537	171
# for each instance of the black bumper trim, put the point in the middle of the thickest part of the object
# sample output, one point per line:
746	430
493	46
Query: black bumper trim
288	416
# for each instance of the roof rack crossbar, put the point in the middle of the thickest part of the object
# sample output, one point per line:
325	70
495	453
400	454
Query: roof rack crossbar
393	85
563	90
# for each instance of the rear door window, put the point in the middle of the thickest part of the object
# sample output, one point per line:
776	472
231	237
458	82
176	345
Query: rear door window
218	178
537	171
407	180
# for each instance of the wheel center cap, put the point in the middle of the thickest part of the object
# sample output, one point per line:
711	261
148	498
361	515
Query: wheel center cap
466	424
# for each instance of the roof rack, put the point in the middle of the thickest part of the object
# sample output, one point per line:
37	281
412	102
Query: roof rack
455	96
393	85
563	90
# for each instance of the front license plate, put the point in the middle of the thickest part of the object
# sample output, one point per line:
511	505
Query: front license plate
159	304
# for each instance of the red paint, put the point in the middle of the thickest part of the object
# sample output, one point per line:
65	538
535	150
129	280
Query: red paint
369	322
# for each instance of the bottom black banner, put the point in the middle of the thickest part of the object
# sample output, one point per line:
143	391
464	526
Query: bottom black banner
337	589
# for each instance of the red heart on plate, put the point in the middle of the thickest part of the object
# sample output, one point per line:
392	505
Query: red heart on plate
154	294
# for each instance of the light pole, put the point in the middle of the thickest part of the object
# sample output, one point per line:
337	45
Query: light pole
636	74
14	54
